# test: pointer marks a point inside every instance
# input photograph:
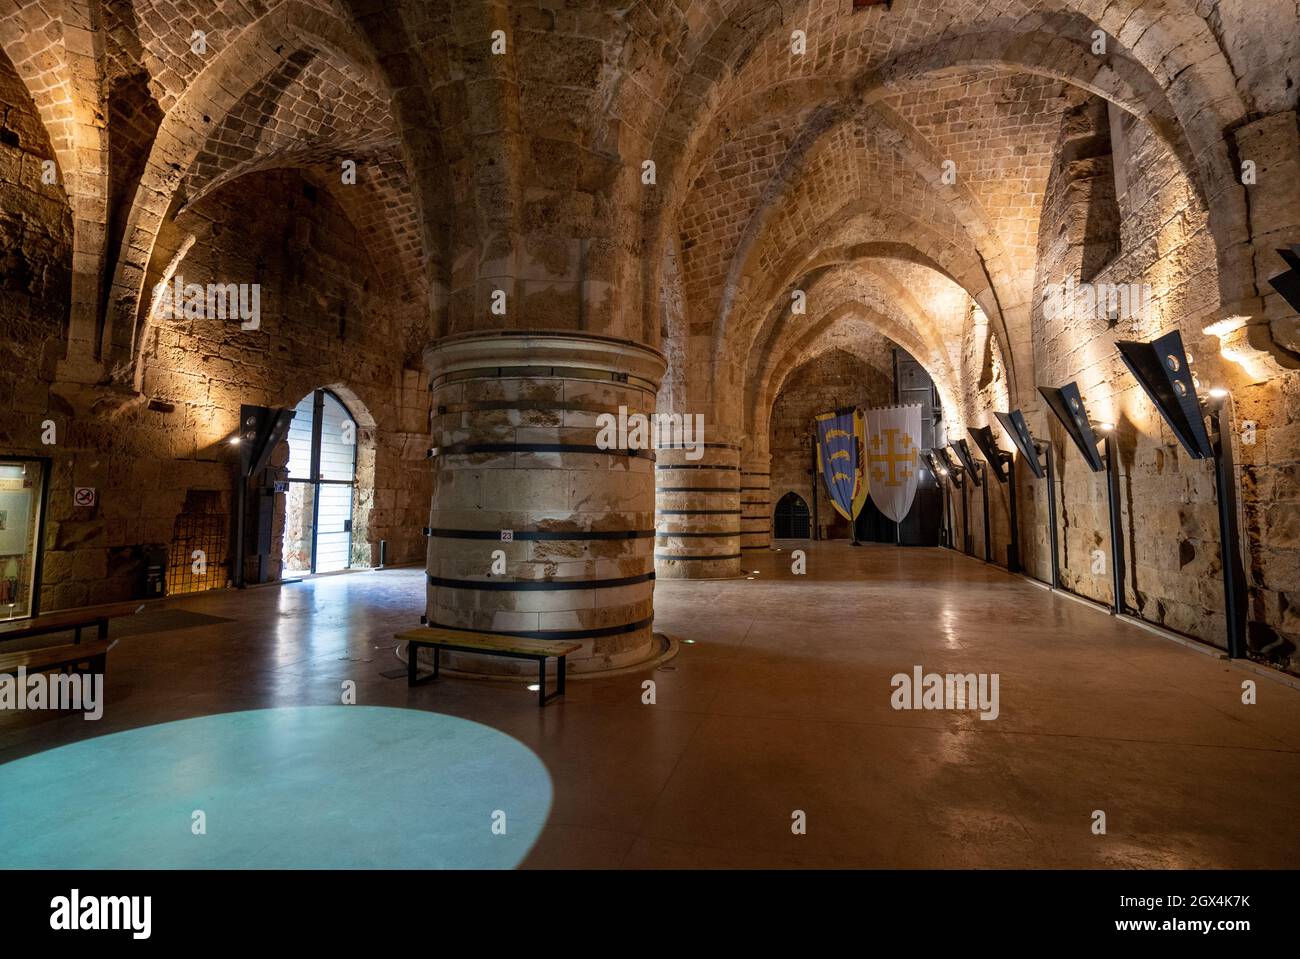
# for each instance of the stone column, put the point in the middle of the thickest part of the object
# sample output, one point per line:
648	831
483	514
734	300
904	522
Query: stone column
755	498
697	506
1260	330
517	468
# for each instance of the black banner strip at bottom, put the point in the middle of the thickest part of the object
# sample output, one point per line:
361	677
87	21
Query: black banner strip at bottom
999	908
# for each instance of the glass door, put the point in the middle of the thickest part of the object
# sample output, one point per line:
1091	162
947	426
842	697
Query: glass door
333	527
322	473
23	483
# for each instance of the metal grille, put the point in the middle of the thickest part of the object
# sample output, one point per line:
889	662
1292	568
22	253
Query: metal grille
792	519
202	526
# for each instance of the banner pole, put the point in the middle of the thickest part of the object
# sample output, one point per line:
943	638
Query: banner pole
812	450
1013	549
988	539
965	522
858	440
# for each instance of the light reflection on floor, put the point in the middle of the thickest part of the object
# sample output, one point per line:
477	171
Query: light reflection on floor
293	787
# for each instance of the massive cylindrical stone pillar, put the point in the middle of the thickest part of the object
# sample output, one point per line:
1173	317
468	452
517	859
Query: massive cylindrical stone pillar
697	506
520	466
755	499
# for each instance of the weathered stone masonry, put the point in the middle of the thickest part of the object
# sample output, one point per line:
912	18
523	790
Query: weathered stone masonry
675	178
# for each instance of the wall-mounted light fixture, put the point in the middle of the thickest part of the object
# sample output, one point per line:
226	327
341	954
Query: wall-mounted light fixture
995	456
956	474
1225	487
1003	465
931	463
1016	427
1030	448
940	471
1288	283
976	473
1163	370
947	460
1067	403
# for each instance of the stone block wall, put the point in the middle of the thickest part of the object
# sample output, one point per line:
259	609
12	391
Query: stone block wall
35	251
1169	513
324	323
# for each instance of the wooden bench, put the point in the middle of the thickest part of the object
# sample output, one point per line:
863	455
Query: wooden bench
94	654
515	647
68	619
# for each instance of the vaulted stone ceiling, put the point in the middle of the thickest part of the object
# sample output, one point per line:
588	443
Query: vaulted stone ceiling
526	168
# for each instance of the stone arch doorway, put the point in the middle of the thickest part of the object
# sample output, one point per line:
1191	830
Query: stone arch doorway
791	519
321	504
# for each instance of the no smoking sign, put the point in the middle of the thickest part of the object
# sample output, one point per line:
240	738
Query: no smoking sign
83	496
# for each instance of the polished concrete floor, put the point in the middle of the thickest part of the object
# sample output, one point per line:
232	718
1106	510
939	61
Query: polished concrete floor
291	787
781	701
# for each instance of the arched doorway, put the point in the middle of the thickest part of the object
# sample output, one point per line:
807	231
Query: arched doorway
791	518
322	480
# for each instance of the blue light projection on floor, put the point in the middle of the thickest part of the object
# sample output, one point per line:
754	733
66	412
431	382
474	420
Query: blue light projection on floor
296	787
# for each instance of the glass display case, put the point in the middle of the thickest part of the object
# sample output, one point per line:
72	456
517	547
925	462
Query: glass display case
23	483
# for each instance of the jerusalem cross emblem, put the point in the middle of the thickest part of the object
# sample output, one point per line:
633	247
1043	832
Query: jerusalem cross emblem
896	462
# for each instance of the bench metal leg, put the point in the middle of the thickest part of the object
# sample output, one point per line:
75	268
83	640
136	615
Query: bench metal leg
543	698
412	664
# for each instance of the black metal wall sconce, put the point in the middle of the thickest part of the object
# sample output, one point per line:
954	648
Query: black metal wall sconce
1163	370
1067	404
1288	284
956	474
961	449
1031	448
1003	465
940	471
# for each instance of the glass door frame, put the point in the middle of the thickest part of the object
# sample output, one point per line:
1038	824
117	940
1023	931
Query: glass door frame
42	503
317	418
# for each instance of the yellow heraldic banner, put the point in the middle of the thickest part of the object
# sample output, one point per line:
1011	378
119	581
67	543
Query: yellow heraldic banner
840	460
893	433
